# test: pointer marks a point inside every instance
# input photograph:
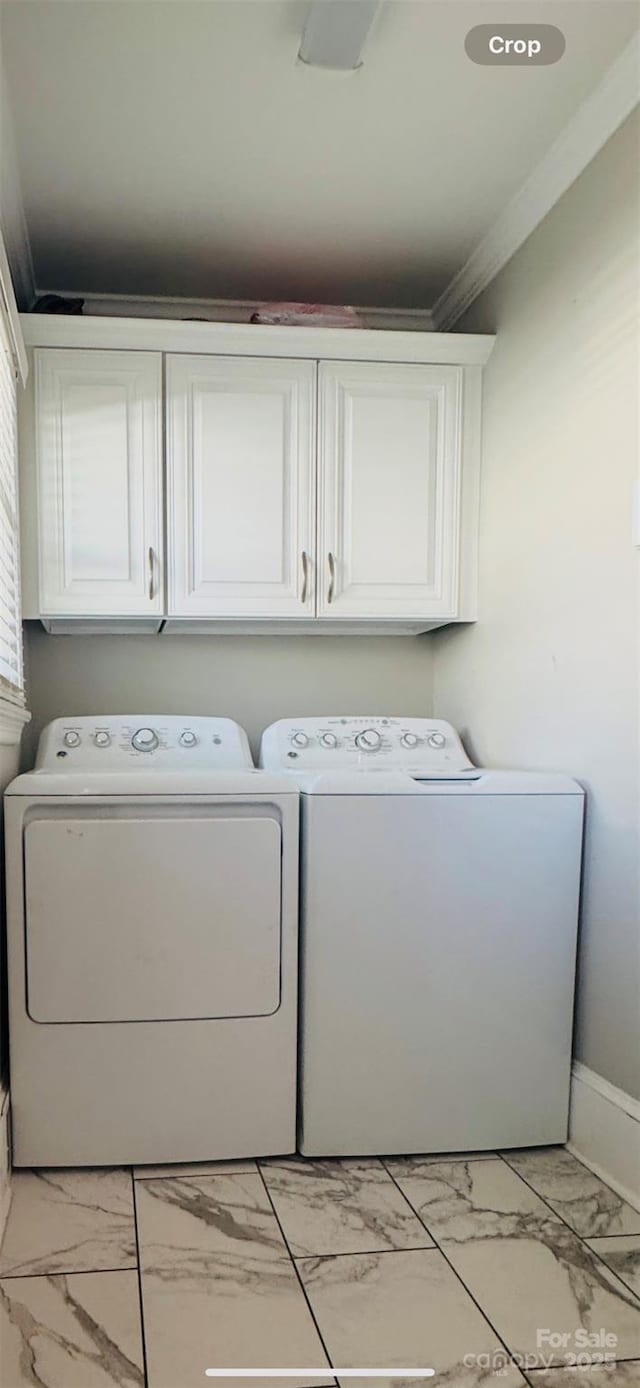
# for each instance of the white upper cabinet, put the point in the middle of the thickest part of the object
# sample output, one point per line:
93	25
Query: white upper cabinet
99	483
317	479
241	486
389	471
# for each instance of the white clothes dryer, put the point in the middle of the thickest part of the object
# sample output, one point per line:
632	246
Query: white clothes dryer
439	909
152	884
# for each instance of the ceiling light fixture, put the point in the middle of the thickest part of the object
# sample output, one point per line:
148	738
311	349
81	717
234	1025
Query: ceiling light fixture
335	33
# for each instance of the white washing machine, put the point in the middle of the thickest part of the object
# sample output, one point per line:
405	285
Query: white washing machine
152	880
439	908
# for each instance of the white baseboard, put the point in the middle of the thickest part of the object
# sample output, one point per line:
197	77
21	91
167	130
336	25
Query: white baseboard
5	1160
604	1131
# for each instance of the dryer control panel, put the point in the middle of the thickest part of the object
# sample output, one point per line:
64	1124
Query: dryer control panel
422	746
170	742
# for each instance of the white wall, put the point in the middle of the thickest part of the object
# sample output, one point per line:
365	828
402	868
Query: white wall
548	676
252	679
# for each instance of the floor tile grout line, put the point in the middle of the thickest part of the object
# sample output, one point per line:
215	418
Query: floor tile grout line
597	1237
143	1337
366	1252
470	1294
64	1272
627	1285
297	1273
582	1238
195	1175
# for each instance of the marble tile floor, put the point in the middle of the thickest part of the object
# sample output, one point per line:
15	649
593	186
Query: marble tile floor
493	1268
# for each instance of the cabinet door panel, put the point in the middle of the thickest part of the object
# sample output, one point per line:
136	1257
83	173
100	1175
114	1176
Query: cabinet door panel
389	465
241	482
99	482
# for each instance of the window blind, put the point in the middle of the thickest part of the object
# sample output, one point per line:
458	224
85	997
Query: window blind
11	673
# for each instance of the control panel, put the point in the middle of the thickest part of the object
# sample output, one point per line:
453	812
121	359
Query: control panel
423	746
127	742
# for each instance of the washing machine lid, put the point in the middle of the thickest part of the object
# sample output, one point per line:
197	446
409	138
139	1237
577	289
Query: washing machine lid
476	782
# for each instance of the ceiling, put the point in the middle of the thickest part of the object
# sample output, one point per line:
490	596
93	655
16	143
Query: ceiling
176	147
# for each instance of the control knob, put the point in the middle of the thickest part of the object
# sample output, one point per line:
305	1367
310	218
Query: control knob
71	739
188	738
300	740
144	740
369	740
409	740
329	740
102	739
437	740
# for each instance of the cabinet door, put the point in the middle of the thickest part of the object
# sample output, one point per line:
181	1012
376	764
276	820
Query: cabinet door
241	465
99	430
389	481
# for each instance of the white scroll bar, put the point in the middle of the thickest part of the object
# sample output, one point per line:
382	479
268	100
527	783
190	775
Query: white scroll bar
319	1373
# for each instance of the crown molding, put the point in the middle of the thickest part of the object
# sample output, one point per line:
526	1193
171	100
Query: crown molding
12	216
225	310
11	316
17	283
595	121
17	246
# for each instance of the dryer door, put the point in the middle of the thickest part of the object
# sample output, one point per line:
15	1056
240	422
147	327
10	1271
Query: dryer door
154	918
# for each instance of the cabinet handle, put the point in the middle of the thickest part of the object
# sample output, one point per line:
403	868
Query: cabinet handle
152	586
305	576
332	577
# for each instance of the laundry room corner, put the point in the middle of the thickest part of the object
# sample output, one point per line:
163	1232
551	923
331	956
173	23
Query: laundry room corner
548	676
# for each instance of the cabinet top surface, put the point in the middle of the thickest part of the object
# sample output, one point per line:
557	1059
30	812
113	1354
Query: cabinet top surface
249	339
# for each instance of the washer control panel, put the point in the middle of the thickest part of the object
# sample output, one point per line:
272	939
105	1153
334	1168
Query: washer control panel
170	742
422	746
